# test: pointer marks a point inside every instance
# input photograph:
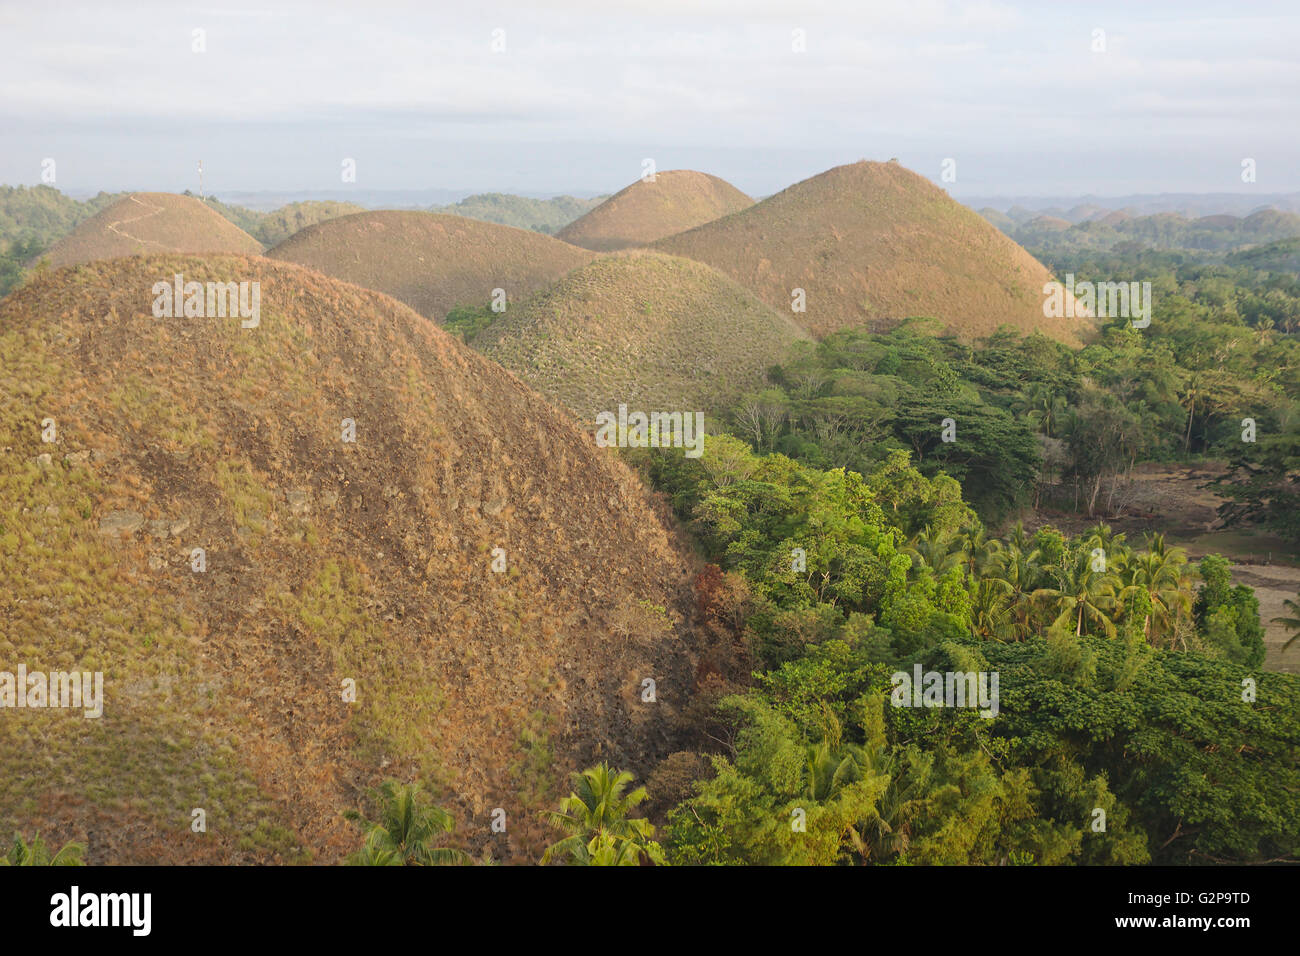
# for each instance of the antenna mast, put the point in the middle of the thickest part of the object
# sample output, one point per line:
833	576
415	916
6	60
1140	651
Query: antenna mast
201	196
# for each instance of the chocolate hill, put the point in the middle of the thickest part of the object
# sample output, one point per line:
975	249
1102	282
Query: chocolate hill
431	261
149	224
871	244
327	567
660	333
675	201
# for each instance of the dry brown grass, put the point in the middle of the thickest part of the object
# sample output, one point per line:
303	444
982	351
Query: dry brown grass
872	243
430	261
325	560
657	332
677	200
148	224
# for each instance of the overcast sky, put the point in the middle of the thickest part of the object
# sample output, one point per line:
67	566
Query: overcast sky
584	90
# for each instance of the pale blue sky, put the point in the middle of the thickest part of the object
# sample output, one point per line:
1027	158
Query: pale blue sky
585	89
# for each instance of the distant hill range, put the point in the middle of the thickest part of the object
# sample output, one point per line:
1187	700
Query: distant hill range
267	200
429	199
1081	208
540	215
1280	256
271	228
1104	231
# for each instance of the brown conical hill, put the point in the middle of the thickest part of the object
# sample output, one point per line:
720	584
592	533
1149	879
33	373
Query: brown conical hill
329	569
432	261
675	201
149	224
657	332
1049	224
873	243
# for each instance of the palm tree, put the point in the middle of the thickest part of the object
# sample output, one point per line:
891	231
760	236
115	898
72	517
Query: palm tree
596	817
408	822
1290	623
933	549
991	614
1020	538
1156	578
1082	594
832	763
1043	408
1156	544
376	852
1019	572
37	853
831	767
1189	393
1101	535
889	831
977	547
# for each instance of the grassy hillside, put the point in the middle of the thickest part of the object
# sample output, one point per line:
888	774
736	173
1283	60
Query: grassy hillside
677	200
430	261
325	561
873	243
656	332
145	223
539	215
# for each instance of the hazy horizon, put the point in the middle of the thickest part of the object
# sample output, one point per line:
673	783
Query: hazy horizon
282	94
